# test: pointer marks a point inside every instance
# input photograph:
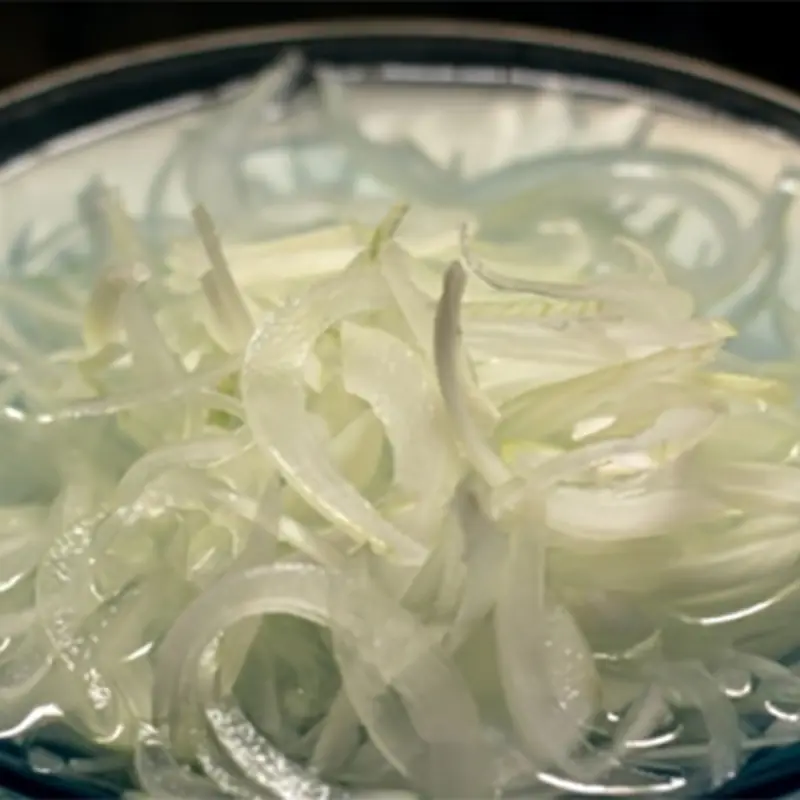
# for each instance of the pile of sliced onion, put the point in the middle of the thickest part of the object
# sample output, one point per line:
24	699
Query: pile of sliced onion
374	510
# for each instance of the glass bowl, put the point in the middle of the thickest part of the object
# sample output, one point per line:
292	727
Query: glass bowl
492	99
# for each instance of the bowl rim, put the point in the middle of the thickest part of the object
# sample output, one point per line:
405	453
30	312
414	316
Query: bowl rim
388	27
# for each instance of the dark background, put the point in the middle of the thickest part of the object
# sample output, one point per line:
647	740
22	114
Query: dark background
761	38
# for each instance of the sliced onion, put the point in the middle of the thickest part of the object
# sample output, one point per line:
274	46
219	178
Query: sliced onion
499	529
384	372
420	715
546	667
261	762
695	686
273	399
160	775
234	322
448	355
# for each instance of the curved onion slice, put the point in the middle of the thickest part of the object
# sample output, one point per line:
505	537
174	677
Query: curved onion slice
449	357
551	409
393	380
546	667
234	323
160	775
486	551
611	514
273	399
296	589
223	772
611	295
694	685
300	590
259	760
25	665
419	713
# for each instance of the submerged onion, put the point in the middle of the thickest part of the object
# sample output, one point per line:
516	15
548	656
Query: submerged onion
388	507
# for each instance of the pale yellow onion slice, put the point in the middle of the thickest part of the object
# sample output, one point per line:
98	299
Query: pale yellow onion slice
338	738
550	409
275	405
758	547
24	666
756	486
694	686
198	383
449	359
504	379
297	589
200	452
207	178
160	774
533	339
64	610
752	435
260	761
434	593
298	448
301	590
405	691
152	358
335	405
234	324
399	268
358	451
546	668
640	338
25	535
486	551
638	511
22	669
223	772
127	270
417	308
416	175
630	296
671	435
383	371
272	269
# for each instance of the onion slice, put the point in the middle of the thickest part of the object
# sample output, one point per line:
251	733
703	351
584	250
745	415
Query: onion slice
449	357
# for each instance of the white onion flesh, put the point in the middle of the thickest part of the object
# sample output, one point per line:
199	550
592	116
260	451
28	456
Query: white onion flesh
383	507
